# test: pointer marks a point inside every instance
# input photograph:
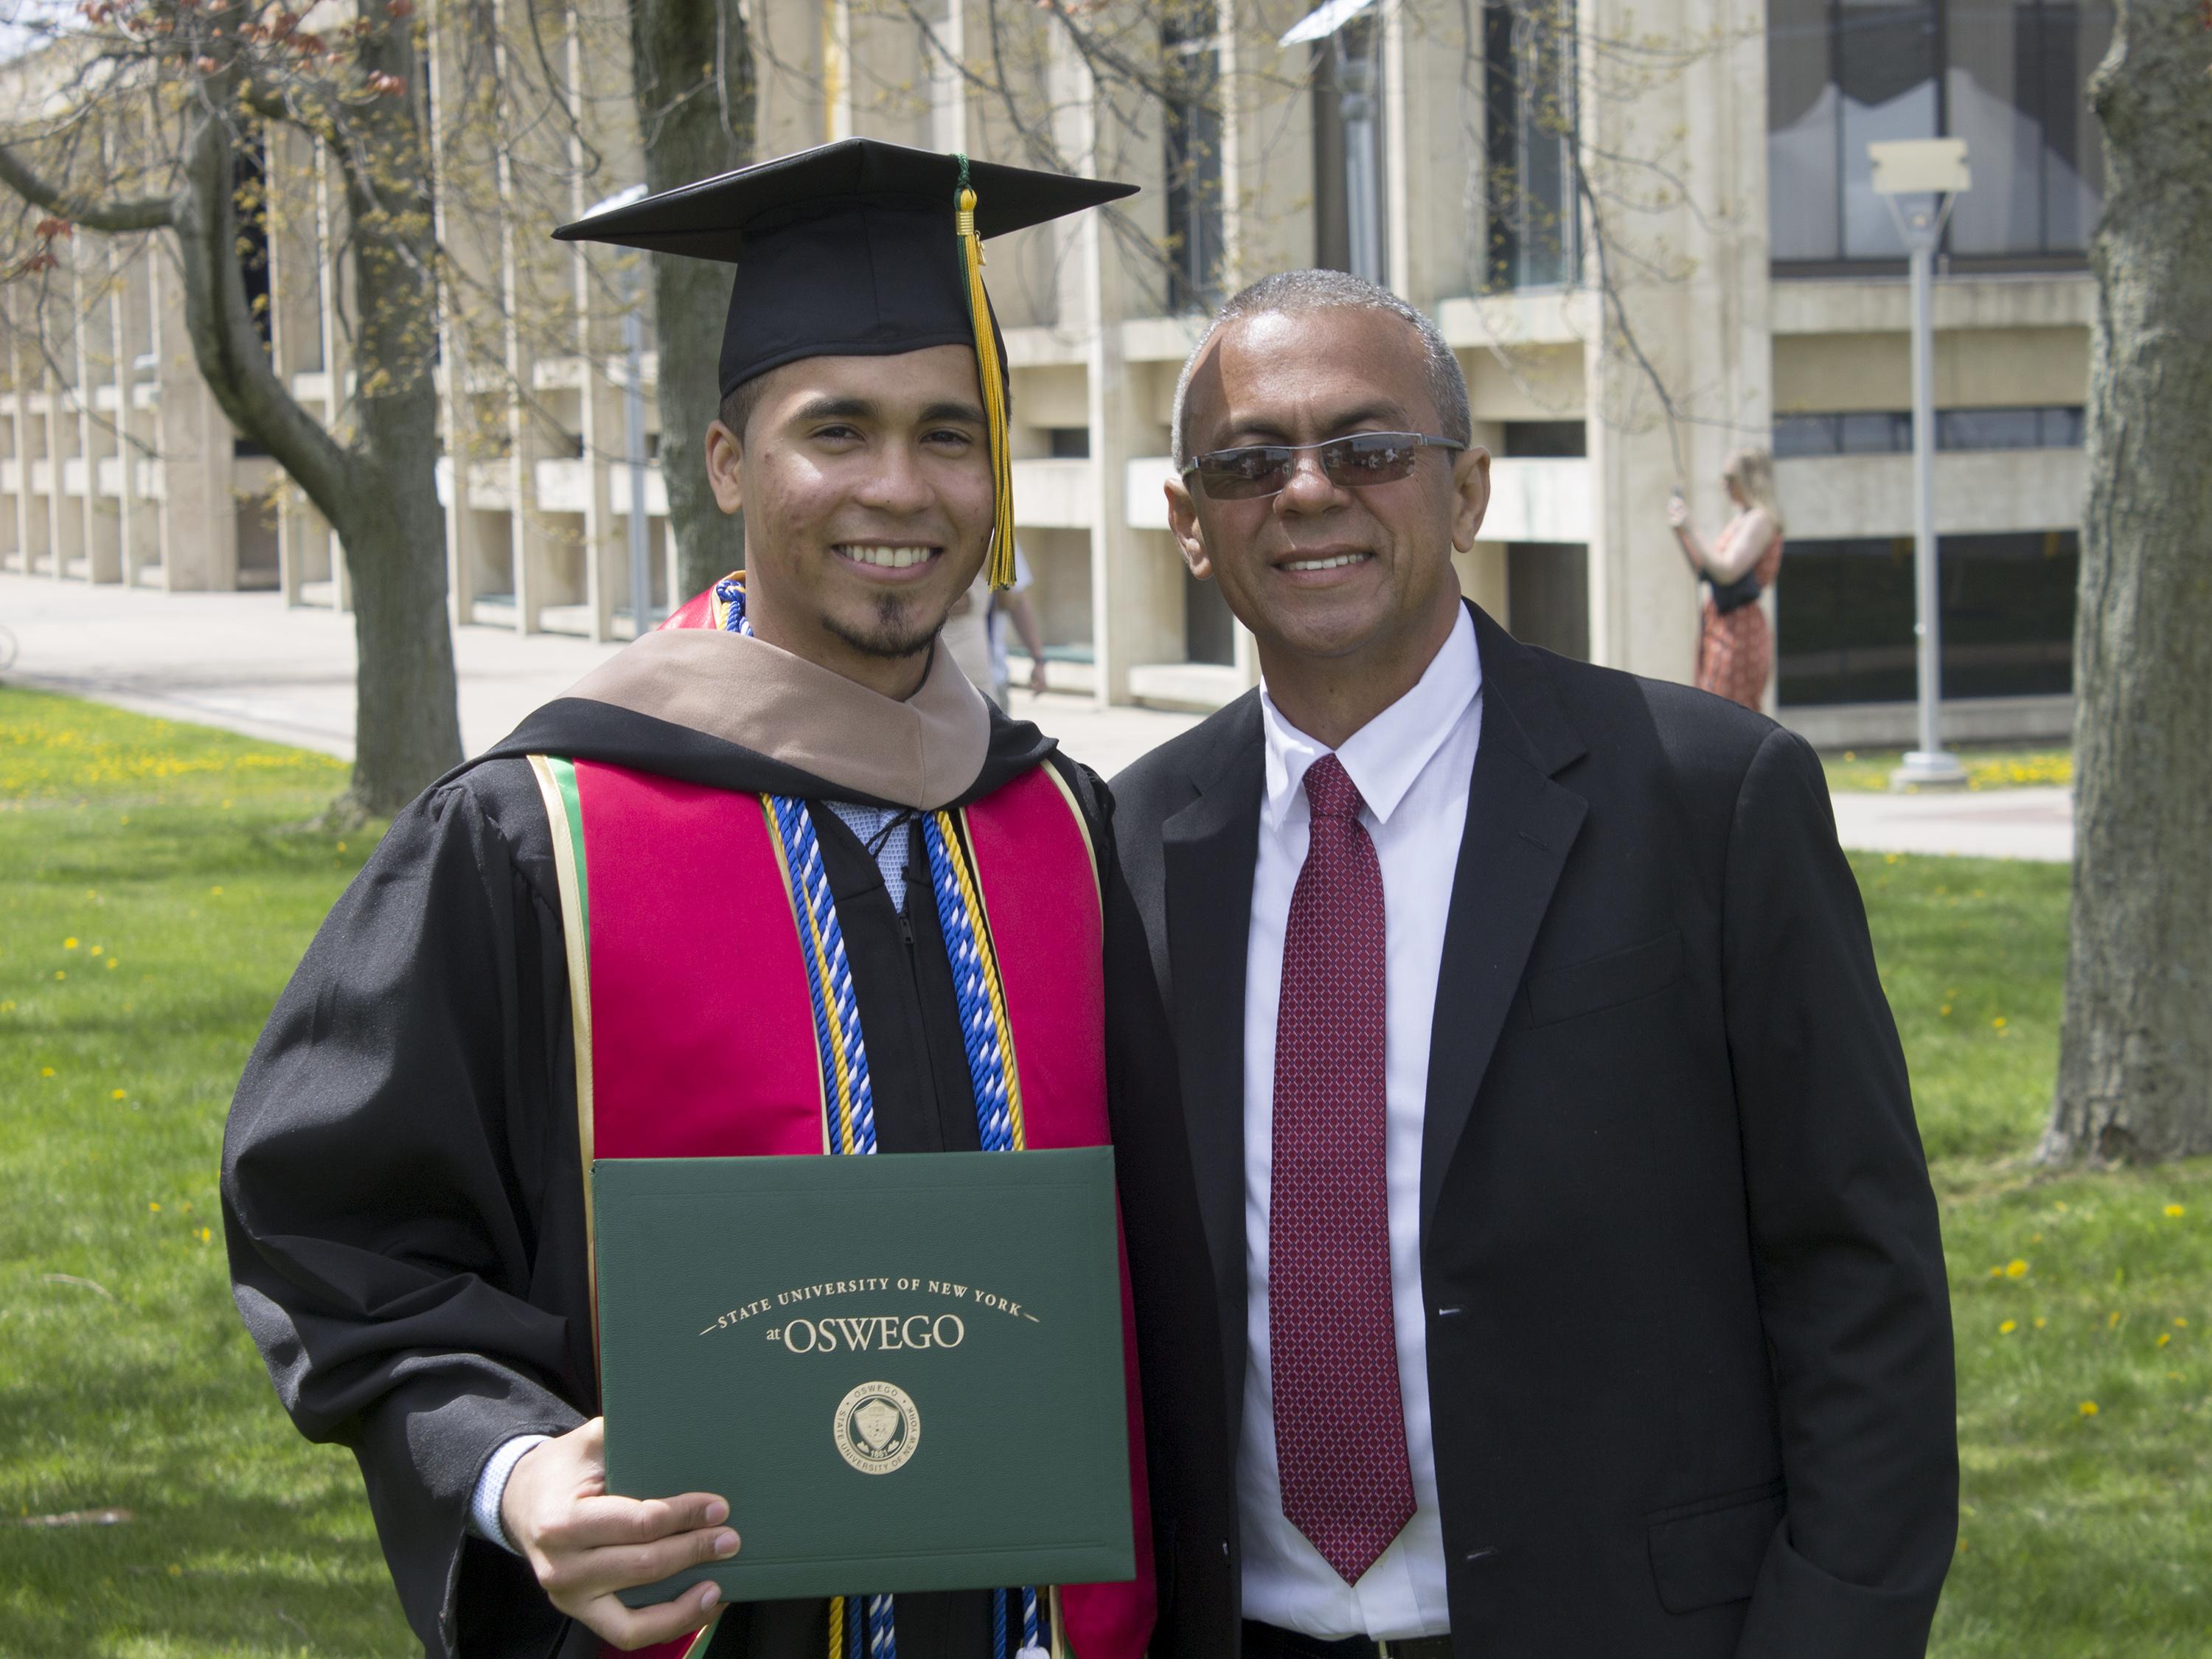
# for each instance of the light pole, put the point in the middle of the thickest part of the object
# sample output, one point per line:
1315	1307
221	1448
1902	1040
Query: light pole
633	294
1931	172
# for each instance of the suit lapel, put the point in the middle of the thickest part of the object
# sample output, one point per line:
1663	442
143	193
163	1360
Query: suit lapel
1520	826
1211	848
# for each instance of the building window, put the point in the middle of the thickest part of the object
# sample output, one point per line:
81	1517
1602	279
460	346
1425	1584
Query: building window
249	172
1889	432
1545	439
1529	136
1069	443
1347	121
1845	614
2052	427
2009	76
1548	596
1209	630
1191	61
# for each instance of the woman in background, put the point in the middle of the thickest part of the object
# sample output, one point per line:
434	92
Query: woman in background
1736	648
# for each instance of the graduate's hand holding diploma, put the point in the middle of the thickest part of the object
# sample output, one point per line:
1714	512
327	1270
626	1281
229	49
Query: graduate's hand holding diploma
584	1545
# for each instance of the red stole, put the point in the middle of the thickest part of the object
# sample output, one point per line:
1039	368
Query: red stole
695	1037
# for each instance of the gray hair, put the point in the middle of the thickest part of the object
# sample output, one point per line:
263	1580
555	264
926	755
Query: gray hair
1293	292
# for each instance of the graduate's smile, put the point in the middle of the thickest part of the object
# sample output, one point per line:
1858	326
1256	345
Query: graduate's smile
893	561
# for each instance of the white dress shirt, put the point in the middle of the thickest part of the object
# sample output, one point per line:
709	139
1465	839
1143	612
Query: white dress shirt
1412	763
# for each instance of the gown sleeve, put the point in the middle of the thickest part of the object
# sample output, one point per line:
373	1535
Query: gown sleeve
400	1143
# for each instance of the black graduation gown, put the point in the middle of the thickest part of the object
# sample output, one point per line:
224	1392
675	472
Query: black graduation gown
403	1200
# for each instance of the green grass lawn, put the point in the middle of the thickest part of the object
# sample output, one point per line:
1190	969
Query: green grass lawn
126	1381
154	894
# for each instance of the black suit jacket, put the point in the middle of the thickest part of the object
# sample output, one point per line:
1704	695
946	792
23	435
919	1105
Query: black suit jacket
1689	1340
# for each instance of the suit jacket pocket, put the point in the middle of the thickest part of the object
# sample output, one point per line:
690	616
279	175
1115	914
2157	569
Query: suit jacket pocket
1708	1552
1606	981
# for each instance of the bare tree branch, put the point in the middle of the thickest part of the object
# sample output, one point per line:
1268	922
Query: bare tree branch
142	212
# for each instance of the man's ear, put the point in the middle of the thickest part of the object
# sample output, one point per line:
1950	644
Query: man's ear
725	456
1471	494
1182	519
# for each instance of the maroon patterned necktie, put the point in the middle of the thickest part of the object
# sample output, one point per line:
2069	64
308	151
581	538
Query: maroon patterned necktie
1340	1425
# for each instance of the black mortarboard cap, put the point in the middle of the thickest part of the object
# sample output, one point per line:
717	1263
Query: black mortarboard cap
855	249
844	250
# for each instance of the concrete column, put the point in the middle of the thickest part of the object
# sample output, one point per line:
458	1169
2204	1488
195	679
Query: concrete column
1703	326
199	513
92	302
18	504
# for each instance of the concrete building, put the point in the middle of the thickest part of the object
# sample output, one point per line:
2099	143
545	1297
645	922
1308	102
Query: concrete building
1609	226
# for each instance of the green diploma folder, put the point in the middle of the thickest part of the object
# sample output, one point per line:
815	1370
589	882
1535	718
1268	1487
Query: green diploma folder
903	1372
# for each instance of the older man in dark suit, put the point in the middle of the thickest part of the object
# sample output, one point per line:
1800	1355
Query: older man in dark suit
1568	1244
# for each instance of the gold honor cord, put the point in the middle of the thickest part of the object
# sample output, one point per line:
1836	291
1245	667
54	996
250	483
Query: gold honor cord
1000	569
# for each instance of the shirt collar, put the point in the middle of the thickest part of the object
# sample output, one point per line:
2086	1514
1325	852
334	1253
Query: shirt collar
1384	757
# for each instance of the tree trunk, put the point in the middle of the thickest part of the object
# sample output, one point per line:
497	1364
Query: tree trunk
691	74
2135	1068
381	495
406	706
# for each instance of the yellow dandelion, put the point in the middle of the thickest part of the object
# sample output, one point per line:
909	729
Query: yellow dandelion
1997	1272
2009	1327
2165	1337
175	1572
2112	1319
341	847
217	891
1998	1023
2175	1211
94	951
2040	1322
46	1070
115	1094
1945	1011
206	1233
112	963
153	1208
2088	1408
2181	1324
2015	1269
2060	1205
61	973
68	945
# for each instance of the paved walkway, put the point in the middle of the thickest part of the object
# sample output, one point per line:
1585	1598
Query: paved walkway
244	662
2036	823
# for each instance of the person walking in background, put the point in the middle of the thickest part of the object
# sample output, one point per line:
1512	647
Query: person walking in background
975	633
1735	647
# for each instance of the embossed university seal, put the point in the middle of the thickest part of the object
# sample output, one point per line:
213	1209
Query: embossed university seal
877	1427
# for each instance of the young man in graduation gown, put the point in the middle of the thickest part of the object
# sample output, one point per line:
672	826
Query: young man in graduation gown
725	897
